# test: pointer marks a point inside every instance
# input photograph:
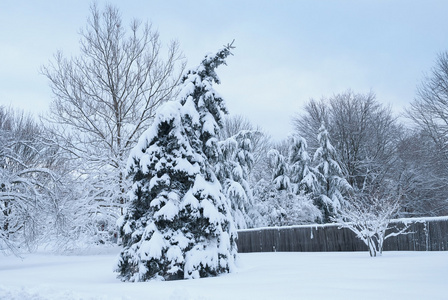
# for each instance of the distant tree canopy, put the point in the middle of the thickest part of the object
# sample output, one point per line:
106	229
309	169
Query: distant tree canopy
429	110
363	131
29	181
425	151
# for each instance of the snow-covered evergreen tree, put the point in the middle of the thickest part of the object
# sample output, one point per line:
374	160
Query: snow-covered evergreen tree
303	176
280	201
178	224
280	173
236	161
331	180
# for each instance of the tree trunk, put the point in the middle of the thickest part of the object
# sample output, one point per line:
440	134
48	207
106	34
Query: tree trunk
372	248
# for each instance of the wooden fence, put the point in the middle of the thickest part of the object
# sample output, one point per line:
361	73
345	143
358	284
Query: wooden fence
429	234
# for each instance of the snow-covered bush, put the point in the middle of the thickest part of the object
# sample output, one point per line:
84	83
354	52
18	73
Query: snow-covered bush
178	224
369	218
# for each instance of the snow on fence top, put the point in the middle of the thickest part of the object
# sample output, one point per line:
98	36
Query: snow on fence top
401	220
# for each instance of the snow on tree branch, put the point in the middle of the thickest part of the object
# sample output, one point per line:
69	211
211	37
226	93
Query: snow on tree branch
369	218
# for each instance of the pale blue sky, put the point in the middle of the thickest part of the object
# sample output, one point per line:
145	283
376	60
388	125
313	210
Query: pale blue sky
286	51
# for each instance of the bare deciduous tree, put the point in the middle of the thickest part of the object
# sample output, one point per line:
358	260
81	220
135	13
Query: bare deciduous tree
106	96
422	176
430	107
369	218
363	131
427	154
26	181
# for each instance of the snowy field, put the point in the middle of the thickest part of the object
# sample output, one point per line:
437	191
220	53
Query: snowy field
395	275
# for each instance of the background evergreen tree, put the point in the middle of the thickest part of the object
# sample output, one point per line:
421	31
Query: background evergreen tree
281	203
236	161
331	180
178	224
303	179
280	173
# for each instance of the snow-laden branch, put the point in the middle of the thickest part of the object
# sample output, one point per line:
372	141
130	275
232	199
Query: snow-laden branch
369	218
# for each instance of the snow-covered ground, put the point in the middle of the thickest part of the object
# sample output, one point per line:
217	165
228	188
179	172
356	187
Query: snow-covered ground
336	275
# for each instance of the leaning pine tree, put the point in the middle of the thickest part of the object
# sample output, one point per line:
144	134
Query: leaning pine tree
178	224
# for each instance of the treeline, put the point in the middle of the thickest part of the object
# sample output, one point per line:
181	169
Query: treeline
63	178
350	146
